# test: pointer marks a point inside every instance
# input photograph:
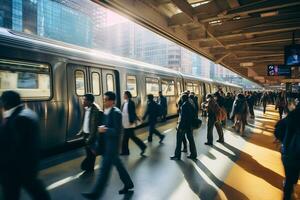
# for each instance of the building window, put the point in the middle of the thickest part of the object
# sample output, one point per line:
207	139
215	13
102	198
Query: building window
168	87
152	86
110	82
80	82
96	83
31	80
131	85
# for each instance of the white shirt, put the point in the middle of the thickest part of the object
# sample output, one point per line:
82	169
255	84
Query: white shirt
125	116
8	113
86	120
107	110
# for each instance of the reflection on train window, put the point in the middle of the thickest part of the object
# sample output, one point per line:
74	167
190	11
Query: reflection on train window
96	83
31	80
131	85
168	87
80	83
110	82
179	88
152	86
195	88
189	86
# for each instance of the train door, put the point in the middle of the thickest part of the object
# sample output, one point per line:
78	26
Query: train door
81	80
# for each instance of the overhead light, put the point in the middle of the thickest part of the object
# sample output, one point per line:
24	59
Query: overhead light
215	22
246	64
269	14
200	3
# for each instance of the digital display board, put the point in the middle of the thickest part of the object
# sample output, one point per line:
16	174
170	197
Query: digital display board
279	70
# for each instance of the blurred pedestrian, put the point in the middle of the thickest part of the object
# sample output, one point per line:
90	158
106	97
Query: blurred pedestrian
19	150
129	121
152	112
91	120
111	129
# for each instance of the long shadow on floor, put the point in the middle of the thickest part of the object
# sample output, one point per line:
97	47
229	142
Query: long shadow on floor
252	166
197	184
203	189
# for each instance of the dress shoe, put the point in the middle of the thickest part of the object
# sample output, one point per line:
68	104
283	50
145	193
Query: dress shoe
220	141
174	158
208	143
161	139
126	189
143	151
192	157
184	150
89	195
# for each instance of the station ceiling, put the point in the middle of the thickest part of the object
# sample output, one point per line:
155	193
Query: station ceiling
243	35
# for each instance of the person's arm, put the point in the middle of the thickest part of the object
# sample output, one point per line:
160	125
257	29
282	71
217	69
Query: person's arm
146	113
117	125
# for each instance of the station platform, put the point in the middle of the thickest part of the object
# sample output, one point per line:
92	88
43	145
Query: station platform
243	168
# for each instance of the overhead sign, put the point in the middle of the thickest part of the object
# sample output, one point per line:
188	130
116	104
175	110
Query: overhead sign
279	70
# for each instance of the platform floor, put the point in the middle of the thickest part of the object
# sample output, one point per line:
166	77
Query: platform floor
243	168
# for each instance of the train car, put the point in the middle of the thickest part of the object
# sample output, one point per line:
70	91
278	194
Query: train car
53	76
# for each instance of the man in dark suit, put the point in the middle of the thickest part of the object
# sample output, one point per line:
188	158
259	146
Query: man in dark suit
162	101
152	111
91	121
111	130
19	150
185	127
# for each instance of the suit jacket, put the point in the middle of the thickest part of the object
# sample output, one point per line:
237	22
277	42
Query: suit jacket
19	143
131	111
151	111
113	122
96	117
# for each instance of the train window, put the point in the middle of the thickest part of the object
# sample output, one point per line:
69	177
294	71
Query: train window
131	85
179	88
168	87
195	88
31	80
189	86
200	89
96	83
80	82
152	86
110	82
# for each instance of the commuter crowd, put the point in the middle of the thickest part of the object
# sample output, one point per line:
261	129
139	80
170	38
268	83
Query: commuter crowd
103	131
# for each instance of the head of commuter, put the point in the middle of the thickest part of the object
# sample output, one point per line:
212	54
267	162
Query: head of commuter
209	97
160	93
228	94
184	97
109	99
150	97
187	92
217	95
192	95
240	96
127	95
10	99
88	100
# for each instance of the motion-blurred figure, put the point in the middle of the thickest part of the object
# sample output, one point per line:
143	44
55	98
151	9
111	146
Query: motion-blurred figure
19	150
111	130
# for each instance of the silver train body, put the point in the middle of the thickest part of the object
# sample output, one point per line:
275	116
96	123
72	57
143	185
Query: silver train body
72	71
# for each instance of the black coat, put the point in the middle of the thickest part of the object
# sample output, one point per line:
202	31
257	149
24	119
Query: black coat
19	143
151	111
131	111
113	122
186	116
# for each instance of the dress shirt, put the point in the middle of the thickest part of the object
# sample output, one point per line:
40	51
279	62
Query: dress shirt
8	113
86	121
125	116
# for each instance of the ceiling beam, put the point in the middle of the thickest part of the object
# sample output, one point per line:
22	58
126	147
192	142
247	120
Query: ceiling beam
185	7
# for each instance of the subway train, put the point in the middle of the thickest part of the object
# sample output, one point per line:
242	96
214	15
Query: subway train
53	76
